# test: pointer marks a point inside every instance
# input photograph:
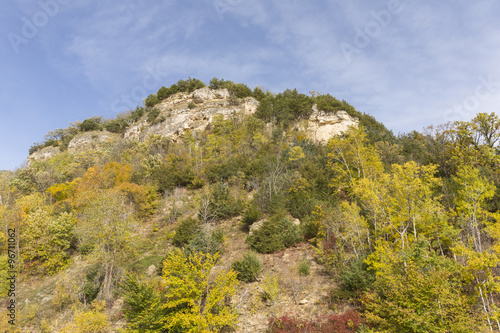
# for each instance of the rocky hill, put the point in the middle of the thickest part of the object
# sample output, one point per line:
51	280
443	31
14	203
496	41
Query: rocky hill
194	112
222	209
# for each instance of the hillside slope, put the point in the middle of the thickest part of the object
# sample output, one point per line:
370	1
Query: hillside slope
222	209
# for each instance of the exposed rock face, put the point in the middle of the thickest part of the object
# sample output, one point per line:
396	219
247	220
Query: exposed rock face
42	154
92	139
181	115
205	94
321	126
180	118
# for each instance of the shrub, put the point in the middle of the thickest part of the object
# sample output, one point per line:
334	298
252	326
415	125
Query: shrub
153	116
348	322
137	113
238	90
270	288
247	268
275	234
170	175
356	278
309	228
91	124
143	304
115	126
285	107
221	205
191	105
258	93
304	268
206	243
190	85
95	321
151	101
92	286
299	203
252	215
164	93
186	231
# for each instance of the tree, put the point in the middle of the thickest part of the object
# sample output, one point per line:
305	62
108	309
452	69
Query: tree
403	203
351	157
487	128
419	291
197	294
91	124
106	223
473	191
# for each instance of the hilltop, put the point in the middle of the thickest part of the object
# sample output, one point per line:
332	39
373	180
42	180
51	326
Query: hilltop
225	209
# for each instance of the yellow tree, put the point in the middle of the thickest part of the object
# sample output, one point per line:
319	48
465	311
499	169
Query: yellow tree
473	191
351	228
419	291
352	158
479	259
403	203
197	294
106	223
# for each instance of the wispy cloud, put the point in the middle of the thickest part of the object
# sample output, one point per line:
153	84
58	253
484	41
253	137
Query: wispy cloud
408	73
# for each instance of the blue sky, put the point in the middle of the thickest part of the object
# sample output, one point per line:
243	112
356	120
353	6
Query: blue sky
409	63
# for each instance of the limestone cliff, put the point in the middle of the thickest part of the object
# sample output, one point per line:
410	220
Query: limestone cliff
181	116
321	126
194	112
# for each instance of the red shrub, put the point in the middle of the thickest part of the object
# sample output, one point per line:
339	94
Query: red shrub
348	322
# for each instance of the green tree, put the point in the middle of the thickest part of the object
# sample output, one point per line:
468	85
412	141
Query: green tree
91	124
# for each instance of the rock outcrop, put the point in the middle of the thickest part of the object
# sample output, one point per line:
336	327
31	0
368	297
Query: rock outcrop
195	111
93	139
47	152
181	116
321	126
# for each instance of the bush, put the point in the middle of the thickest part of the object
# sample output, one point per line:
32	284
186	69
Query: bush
356	278
153	116
95	321
348	322
170	175
275	234
115	126
247	268
164	93
137	114
143	304
237	90
284	107
151	101
186	231
221	205
189	85
252	215
92	286
206	243
91	124
309	228
304	268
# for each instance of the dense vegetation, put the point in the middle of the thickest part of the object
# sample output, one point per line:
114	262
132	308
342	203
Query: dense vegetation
406	226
